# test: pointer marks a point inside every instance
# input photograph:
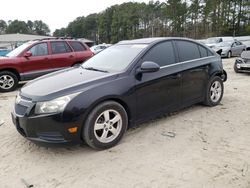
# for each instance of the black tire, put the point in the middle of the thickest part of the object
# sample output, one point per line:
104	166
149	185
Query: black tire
229	54
12	84
235	68
90	135
208	98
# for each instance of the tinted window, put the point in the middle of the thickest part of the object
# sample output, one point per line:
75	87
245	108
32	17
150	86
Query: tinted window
209	53
187	50
60	47
162	54
203	51
77	46
39	49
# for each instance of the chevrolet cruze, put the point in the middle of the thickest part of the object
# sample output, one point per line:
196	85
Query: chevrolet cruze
124	85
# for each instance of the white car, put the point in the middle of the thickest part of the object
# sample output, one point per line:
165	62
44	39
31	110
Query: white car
213	41
98	48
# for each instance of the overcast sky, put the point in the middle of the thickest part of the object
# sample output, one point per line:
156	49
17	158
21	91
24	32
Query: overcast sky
55	13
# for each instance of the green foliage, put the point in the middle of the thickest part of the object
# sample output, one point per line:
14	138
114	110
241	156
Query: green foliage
37	27
188	18
3	26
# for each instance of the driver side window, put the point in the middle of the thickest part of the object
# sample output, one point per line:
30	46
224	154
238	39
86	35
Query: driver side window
40	49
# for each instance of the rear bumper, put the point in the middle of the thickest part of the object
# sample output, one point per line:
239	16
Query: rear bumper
47	130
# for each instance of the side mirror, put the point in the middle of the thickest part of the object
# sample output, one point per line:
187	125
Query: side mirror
27	54
148	66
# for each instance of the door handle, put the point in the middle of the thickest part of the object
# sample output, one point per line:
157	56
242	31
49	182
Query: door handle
46	58
71	56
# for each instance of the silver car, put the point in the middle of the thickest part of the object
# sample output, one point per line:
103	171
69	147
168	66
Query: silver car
229	49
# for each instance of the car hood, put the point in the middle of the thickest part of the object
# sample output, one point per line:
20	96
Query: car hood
64	82
210	44
4	59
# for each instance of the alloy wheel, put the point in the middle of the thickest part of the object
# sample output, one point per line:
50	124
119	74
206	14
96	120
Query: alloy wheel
215	91
108	126
6	82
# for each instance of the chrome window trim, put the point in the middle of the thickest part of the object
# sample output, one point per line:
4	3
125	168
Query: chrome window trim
184	62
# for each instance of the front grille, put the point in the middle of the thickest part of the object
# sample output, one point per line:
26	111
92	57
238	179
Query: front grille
51	136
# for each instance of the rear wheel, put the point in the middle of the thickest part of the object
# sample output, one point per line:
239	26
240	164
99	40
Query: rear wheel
8	81
105	125
229	54
214	91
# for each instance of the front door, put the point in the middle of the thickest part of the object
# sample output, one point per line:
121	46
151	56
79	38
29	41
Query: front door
38	63
159	91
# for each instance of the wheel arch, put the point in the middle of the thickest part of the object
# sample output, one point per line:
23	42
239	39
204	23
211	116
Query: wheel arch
221	74
13	71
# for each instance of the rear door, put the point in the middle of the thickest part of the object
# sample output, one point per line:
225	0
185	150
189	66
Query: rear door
159	91
81	52
62	55
194	59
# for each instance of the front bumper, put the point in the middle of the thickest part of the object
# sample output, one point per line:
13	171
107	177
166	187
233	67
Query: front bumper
241	66
49	129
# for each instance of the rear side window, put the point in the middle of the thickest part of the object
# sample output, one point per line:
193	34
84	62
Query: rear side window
60	47
39	49
203	51
187	50
77	46
162	54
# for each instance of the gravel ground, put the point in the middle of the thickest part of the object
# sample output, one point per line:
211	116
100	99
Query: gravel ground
210	149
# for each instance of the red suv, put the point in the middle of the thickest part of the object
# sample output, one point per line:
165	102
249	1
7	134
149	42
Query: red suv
39	57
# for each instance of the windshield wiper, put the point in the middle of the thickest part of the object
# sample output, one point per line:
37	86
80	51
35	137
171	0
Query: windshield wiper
94	69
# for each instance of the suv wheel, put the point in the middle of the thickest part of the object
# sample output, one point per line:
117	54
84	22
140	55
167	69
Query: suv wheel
214	91
8	81
229	54
105	125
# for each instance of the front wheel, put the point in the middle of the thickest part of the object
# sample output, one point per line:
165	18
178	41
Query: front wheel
8	81
235	68
105	125
214	92
229	54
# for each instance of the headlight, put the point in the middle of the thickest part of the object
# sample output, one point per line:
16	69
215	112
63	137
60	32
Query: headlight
18	98
53	106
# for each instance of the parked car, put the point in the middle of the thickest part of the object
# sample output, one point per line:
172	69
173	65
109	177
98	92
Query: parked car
39	57
229	49
98	48
242	64
4	51
211	42
128	83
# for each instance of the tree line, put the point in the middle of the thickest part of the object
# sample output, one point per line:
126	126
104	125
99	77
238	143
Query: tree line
185	18
37	27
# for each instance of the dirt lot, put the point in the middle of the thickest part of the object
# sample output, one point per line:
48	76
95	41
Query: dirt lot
210	149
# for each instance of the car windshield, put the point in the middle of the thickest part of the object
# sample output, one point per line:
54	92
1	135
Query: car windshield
114	58
18	50
213	40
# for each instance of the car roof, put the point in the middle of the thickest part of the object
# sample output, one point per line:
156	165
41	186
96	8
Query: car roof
151	40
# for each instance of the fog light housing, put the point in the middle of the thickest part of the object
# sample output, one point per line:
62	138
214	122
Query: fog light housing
238	66
72	130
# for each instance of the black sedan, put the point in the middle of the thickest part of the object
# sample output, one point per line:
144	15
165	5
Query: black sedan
127	84
242	64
